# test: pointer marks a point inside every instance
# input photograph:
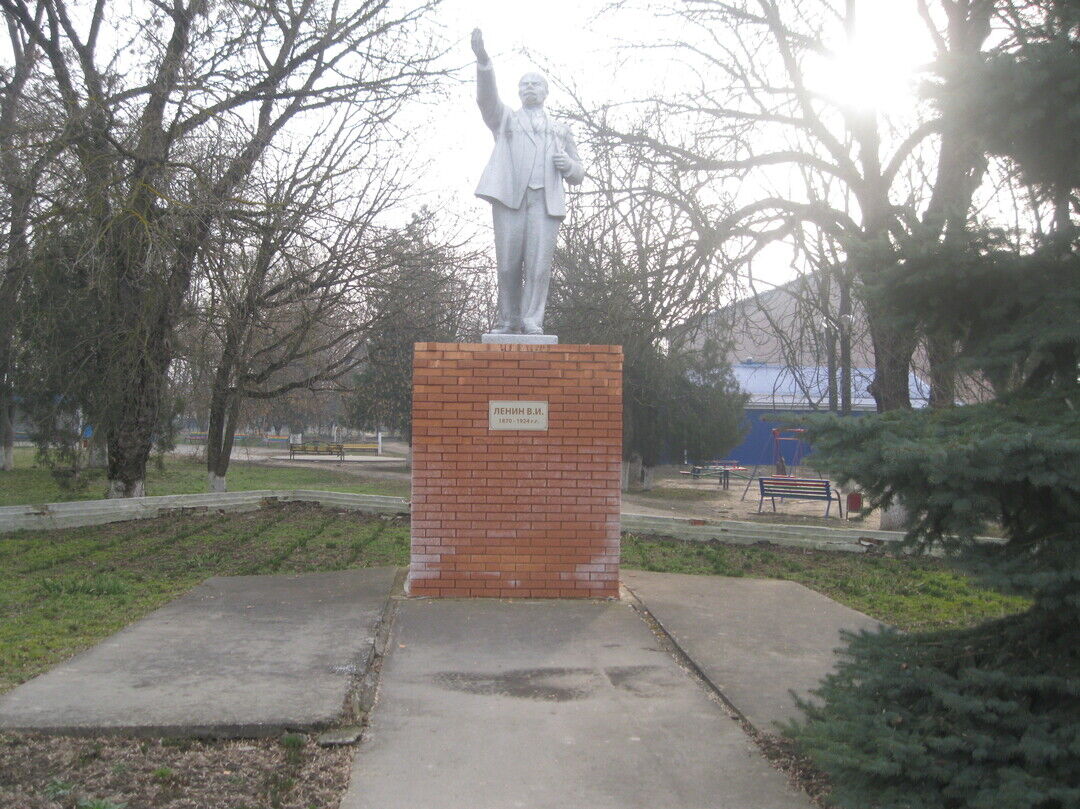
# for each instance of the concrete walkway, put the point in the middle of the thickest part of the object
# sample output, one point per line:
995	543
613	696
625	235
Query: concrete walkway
489	704
756	640
238	656
483	704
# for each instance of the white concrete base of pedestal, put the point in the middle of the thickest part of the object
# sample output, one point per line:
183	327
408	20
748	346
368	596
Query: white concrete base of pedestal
522	339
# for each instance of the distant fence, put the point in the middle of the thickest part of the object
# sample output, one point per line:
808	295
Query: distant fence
240	440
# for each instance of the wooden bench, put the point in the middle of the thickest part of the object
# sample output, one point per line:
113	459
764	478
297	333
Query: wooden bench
798	489
372	448
317	449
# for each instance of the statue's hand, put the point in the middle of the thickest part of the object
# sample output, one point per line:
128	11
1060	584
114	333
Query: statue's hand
478	47
562	162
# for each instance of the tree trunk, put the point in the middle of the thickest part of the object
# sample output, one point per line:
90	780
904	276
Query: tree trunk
941	351
893	348
224	414
7	433
896	517
119	488
137	413
844	318
97	456
834	388
633	474
224	410
127	468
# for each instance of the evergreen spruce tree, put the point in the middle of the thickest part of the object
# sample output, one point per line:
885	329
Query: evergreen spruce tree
987	716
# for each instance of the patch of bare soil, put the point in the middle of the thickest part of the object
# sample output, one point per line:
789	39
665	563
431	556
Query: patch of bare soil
800	771
50	772
677	495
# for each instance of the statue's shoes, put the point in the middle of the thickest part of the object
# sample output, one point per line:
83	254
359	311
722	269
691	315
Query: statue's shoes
503	330
532	330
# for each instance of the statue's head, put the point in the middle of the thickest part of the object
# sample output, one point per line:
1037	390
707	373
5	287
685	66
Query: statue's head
532	89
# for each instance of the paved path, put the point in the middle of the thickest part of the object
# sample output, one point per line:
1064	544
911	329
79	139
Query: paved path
238	656
488	704
755	639
483	704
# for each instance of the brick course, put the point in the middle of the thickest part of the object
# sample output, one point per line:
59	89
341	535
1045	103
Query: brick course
516	513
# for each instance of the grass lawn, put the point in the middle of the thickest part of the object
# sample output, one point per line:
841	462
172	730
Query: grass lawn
908	593
62	591
30	483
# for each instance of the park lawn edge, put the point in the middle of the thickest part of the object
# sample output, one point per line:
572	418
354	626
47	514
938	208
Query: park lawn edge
99	579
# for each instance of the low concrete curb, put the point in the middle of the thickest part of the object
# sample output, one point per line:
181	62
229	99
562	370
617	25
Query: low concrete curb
98	512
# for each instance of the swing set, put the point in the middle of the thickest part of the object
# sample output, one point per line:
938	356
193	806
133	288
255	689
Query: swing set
784	438
789	449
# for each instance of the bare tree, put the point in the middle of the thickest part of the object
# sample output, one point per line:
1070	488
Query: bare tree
637	266
959	30
166	116
437	289
809	167
24	158
286	285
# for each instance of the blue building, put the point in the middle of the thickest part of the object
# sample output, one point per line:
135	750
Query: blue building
779	390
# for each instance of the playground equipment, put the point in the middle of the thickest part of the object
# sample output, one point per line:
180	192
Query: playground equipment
788	437
789	450
722	470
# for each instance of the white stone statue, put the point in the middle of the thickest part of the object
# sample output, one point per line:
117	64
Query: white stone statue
523	181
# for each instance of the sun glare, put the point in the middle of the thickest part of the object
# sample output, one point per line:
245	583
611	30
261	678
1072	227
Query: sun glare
877	67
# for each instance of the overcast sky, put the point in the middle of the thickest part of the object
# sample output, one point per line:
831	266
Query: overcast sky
582	43
562	38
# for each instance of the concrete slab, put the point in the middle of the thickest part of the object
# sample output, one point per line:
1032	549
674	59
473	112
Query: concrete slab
237	656
756	640
489	704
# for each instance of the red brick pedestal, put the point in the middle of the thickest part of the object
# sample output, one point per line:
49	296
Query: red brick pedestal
516	513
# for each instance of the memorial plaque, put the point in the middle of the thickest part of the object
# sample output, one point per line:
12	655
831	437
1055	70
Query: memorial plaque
517	415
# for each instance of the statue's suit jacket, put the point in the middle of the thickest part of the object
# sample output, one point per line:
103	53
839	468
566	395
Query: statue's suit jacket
506	176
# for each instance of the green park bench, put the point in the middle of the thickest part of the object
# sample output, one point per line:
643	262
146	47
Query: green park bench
317	449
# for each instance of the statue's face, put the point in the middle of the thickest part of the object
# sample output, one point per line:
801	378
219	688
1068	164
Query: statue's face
532	89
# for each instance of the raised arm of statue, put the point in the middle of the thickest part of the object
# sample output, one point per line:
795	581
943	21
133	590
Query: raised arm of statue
478	48
487	93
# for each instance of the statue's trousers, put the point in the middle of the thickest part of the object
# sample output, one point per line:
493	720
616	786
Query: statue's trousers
524	249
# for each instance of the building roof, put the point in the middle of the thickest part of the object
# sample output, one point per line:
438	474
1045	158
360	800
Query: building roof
806	387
